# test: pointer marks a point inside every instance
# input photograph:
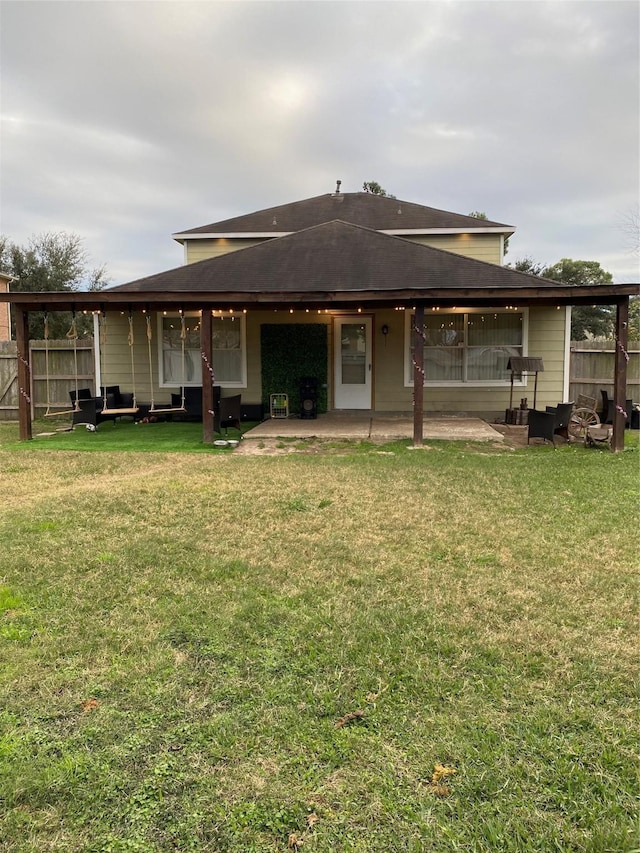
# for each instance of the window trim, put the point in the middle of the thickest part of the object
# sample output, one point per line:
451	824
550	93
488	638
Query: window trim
462	383
237	318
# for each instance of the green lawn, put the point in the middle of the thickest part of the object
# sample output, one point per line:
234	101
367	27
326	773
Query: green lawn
217	652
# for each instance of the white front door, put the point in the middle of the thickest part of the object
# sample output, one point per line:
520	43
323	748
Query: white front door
352	360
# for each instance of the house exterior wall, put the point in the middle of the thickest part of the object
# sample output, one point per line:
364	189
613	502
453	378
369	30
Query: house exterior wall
115	361
5	326
482	247
201	250
546	338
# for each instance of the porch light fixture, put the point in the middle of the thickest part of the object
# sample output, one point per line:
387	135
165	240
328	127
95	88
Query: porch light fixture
385	330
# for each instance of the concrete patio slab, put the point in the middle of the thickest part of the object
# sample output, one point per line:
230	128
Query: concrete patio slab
366	425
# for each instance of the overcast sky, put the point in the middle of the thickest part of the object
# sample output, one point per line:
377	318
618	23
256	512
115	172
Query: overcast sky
127	121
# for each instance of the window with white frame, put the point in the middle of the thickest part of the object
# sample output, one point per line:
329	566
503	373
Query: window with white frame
228	350
467	346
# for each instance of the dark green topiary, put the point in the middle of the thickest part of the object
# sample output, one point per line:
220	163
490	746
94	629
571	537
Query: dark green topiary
288	353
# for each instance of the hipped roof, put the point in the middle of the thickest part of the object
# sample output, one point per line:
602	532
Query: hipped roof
333	259
336	257
380	213
337	265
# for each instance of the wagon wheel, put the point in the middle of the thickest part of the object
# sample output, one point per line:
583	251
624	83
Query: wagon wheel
580	420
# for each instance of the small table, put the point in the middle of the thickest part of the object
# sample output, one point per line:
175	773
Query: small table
520	417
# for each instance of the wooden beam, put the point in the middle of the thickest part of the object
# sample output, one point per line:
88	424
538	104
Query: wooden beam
418	375
206	345
24	374
620	375
189	300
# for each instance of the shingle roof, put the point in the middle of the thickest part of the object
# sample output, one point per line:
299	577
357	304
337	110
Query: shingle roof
371	211
336	257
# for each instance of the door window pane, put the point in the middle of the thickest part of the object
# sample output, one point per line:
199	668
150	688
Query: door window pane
354	354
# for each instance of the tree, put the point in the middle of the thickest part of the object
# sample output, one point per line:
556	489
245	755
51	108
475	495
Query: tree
374	188
527	265
630	226
52	261
586	320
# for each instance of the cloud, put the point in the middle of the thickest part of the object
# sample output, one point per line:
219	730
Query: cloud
127	121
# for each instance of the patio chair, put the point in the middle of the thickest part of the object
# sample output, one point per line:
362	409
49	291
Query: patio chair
609	409
192	403
230	412
554	421
91	408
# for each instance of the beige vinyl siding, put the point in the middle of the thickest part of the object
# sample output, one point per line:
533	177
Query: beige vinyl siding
116	358
5	326
482	247
546	338
201	250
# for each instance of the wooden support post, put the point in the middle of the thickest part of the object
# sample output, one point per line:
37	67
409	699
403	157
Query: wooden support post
418	375
24	374
206	345
620	375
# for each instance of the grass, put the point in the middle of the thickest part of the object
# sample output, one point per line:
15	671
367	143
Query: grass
163	436
260	654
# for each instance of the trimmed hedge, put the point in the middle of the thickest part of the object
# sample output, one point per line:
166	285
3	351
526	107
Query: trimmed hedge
290	352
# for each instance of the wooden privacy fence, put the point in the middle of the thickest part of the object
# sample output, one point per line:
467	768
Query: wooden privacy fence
62	375
592	366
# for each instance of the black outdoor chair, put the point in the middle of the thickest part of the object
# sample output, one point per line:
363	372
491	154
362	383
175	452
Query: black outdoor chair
554	421
609	409
230	412
91	407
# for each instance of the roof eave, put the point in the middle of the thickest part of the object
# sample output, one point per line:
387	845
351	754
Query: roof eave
183	236
406	297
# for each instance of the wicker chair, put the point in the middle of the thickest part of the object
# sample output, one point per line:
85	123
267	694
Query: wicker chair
554	421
